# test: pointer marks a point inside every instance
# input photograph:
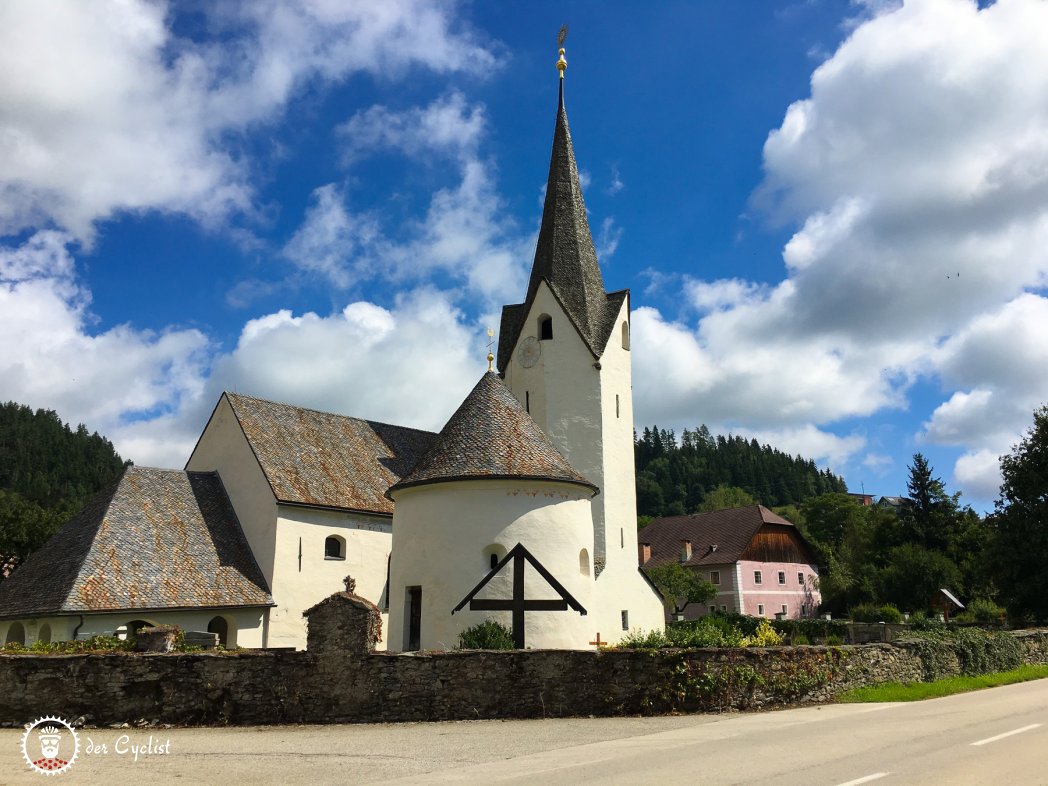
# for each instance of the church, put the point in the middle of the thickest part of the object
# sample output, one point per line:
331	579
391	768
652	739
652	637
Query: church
521	510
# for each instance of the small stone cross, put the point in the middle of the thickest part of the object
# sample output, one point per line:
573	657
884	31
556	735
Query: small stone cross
598	642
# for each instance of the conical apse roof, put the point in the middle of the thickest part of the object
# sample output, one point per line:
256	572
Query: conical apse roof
491	436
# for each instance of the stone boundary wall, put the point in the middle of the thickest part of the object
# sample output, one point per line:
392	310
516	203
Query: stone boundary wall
345	687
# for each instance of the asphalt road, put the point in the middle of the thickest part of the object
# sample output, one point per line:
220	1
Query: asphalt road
997	736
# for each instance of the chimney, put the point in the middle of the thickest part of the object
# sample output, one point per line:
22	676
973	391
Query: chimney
645	552
685	550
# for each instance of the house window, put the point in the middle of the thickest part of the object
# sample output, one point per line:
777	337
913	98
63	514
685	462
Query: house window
493	560
782	577
334	547
756	577
625	620
785	609
714	577
625	335
713	609
800	578
724	608
760	609
584	562
545	328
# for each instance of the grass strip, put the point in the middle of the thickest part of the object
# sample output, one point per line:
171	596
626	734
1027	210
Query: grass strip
916	691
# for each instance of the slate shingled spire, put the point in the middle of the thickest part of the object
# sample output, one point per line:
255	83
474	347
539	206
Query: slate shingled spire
491	436
564	256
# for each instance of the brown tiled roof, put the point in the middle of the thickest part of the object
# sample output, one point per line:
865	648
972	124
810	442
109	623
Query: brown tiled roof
565	257
491	436
157	539
729	530
328	460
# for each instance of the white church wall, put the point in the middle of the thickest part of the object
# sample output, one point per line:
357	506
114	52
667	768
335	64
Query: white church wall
224	448
245	625
299	584
452	528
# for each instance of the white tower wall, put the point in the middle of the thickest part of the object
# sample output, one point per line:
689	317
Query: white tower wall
585	406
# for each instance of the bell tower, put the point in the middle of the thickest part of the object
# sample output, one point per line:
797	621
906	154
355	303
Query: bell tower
564	353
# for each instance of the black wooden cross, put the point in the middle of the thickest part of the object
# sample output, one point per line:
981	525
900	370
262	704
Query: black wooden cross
517	604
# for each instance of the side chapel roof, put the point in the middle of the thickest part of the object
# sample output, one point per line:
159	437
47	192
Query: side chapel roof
327	460
156	539
491	436
565	257
717	538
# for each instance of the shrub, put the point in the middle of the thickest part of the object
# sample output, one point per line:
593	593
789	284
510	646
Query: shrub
488	635
919	621
641	640
798	639
816	630
715	631
984	612
764	636
868	612
834	641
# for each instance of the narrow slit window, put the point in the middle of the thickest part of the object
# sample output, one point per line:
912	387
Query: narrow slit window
626	335
616	405
527	401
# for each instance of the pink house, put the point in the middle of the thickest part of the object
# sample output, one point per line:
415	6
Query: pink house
757	560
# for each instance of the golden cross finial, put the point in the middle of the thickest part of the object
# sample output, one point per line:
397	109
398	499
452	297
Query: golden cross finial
491	342
562	64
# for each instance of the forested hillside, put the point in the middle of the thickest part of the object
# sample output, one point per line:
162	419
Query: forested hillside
676	477
47	472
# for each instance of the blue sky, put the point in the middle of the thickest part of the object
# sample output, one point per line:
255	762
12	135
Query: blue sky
832	216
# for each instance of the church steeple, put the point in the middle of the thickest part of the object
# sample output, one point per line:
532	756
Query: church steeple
565	257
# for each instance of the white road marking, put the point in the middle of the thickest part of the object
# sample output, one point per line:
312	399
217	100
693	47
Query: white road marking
865	779
1007	734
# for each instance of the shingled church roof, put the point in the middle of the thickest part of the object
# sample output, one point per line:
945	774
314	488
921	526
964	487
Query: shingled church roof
565	257
491	436
326	460
157	539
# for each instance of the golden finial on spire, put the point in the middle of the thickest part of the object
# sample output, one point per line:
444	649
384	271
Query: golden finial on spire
562	64
491	341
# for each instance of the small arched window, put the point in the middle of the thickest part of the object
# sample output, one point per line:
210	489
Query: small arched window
545	328
626	336
15	634
334	547
45	634
584	566
493	554
220	626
